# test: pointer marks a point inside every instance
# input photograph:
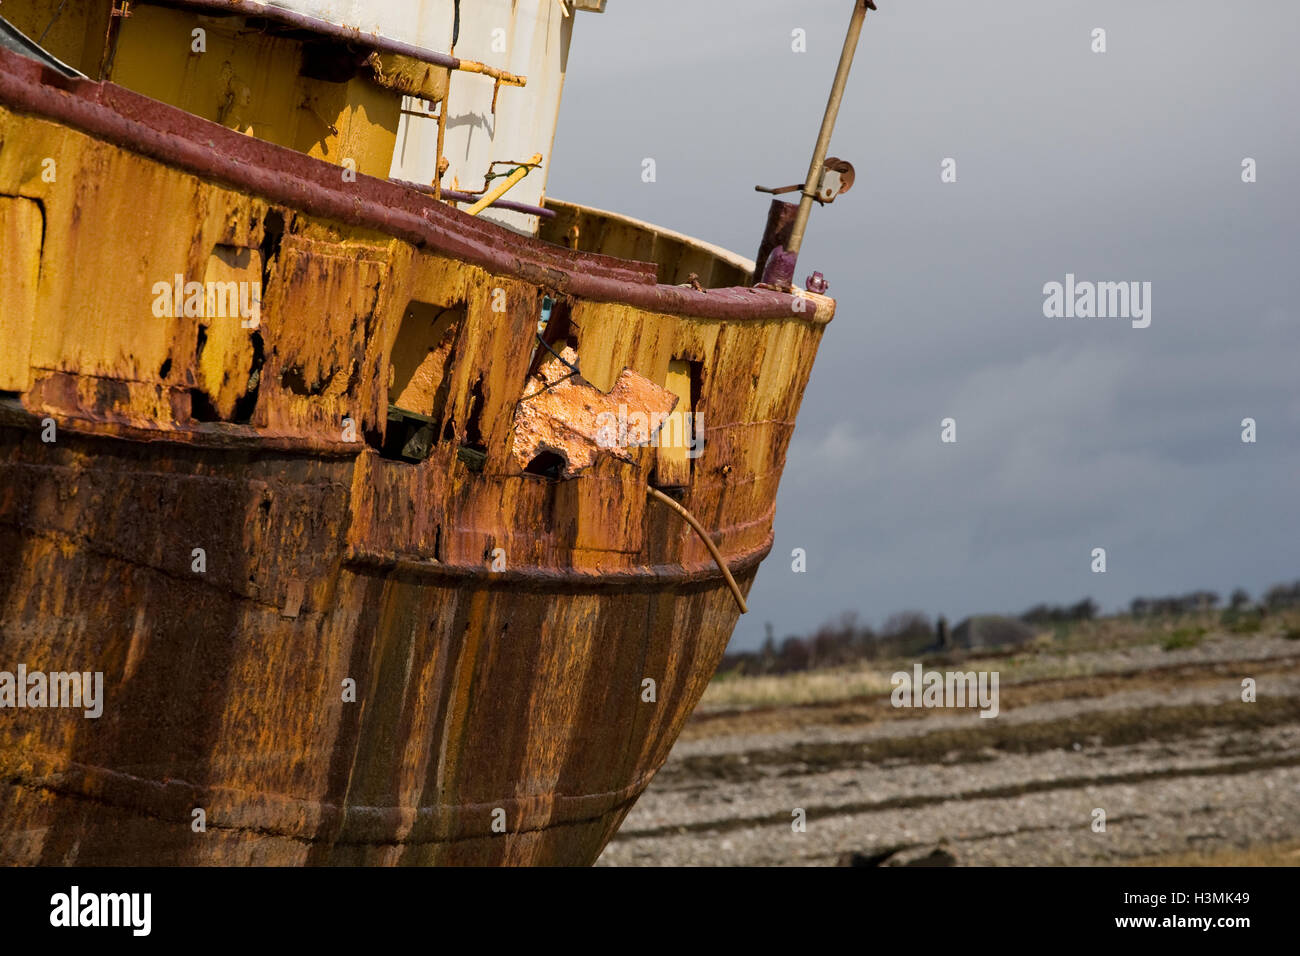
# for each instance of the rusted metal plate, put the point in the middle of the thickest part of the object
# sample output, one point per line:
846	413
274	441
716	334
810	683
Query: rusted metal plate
561	415
676	256
21	228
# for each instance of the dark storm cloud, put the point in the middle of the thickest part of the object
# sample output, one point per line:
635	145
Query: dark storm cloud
1072	433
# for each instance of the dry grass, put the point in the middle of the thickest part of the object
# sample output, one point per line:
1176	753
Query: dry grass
1281	854
1071	653
778	718
786	690
835	685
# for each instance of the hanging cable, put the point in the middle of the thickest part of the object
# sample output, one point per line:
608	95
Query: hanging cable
57	13
689	518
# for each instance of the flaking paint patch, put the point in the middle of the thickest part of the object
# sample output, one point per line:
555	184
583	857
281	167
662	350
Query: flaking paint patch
564	414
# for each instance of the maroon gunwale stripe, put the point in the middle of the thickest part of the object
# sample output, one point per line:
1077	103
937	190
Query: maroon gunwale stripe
283	176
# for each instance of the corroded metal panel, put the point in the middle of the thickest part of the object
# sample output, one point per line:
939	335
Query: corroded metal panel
561	414
21	228
678	258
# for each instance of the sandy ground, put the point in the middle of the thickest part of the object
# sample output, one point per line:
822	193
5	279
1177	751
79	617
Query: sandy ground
1160	740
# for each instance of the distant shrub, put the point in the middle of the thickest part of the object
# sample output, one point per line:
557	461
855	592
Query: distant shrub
1247	624
1184	637
1192	603
1042	615
1281	596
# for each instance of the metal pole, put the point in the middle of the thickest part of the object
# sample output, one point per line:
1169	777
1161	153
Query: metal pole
860	8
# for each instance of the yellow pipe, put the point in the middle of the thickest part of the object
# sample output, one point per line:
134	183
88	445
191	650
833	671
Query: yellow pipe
501	76
505	187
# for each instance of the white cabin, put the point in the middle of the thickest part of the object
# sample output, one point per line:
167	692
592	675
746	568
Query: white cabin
526	37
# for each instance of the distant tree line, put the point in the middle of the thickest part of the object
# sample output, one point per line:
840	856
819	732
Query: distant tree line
911	633
1041	614
1278	597
1282	596
1195	602
835	643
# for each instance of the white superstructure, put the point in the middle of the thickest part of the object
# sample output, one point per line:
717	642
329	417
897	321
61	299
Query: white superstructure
526	37
421	22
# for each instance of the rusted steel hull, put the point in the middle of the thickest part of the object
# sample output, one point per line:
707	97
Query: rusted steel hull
498	628
473	695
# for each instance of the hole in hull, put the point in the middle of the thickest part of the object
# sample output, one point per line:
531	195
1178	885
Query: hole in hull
547	464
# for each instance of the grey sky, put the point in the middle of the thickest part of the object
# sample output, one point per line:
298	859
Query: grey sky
1072	433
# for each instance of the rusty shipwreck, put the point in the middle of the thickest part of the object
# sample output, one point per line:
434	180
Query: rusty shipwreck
363	475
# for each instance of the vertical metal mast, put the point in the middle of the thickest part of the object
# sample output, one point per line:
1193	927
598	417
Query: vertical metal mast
860	8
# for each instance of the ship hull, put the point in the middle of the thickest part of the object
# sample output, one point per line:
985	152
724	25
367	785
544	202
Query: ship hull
314	651
477	702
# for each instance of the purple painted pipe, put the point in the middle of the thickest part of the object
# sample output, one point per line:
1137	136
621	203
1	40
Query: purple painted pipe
500	204
471	198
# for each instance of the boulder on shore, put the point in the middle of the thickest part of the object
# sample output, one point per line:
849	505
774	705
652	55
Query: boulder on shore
991	630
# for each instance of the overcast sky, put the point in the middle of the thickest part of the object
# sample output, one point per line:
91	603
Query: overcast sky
1071	433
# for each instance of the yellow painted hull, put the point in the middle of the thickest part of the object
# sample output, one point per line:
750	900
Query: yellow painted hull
497	630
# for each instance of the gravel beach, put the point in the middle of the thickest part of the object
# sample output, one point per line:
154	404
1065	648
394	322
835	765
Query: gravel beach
1159	740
